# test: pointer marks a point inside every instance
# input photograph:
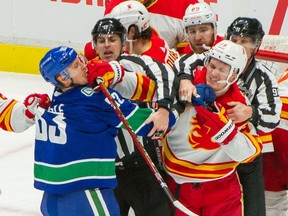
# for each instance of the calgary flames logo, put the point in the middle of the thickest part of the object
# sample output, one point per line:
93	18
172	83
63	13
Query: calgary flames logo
198	138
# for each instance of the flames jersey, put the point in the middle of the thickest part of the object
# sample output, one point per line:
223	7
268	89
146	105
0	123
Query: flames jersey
188	159
12	117
161	52
275	163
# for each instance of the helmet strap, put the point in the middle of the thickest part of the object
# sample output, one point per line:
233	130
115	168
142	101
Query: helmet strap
131	44
228	83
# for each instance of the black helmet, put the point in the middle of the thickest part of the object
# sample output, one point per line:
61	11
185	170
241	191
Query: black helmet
109	26
245	27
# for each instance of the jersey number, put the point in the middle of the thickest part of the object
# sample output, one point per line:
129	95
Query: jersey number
56	134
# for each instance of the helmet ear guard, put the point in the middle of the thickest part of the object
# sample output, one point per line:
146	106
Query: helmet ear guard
65	75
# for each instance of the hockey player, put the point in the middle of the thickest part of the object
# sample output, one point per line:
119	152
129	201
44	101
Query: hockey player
16	116
165	19
261	88
201	30
75	149
204	147
275	163
200	24
140	39
134	176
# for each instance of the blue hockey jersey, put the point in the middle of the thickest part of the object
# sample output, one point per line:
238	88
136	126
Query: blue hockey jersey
75	147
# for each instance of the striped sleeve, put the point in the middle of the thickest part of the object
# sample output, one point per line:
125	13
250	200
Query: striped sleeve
160	73
185	66
137	87
264	97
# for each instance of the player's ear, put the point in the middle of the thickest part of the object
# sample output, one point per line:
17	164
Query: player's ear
123	48
131	33
233	77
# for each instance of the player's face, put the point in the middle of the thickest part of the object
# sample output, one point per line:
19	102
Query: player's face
246	42
78	71
217	74
108	46
199	35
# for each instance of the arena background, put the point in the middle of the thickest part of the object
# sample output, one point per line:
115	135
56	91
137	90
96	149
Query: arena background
30	27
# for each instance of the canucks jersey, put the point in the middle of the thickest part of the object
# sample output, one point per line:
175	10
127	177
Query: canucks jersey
75	147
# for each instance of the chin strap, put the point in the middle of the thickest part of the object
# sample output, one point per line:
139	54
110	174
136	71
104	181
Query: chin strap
131	44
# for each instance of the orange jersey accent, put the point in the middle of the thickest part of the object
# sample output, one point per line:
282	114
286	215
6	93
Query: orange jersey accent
6	110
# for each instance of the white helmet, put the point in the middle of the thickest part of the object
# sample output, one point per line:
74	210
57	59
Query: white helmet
131	12
232	54
199	13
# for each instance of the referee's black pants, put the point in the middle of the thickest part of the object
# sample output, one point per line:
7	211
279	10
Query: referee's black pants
251	178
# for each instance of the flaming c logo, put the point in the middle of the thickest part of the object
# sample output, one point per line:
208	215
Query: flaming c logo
198	137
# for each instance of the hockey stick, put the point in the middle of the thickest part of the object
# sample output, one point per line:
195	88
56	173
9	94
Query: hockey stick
144	153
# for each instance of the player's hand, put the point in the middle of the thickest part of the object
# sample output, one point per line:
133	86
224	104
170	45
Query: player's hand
217	125
205	95
35	100
109	73
160	119
187	90
239	112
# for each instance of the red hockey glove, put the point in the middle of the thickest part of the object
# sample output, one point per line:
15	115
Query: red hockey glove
109	73
220	128
33	100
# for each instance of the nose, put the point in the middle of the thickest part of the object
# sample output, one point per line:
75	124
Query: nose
83	65
107	42
198	35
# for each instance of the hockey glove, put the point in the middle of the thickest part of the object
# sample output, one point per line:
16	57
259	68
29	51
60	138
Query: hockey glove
206	95
109	73
217	126
34	100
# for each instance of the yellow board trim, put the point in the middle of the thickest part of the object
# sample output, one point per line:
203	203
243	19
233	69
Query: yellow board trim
21	59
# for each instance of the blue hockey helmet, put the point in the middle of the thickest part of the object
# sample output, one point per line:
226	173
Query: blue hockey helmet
56	61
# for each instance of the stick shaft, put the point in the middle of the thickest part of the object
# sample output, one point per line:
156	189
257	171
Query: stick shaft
144	153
